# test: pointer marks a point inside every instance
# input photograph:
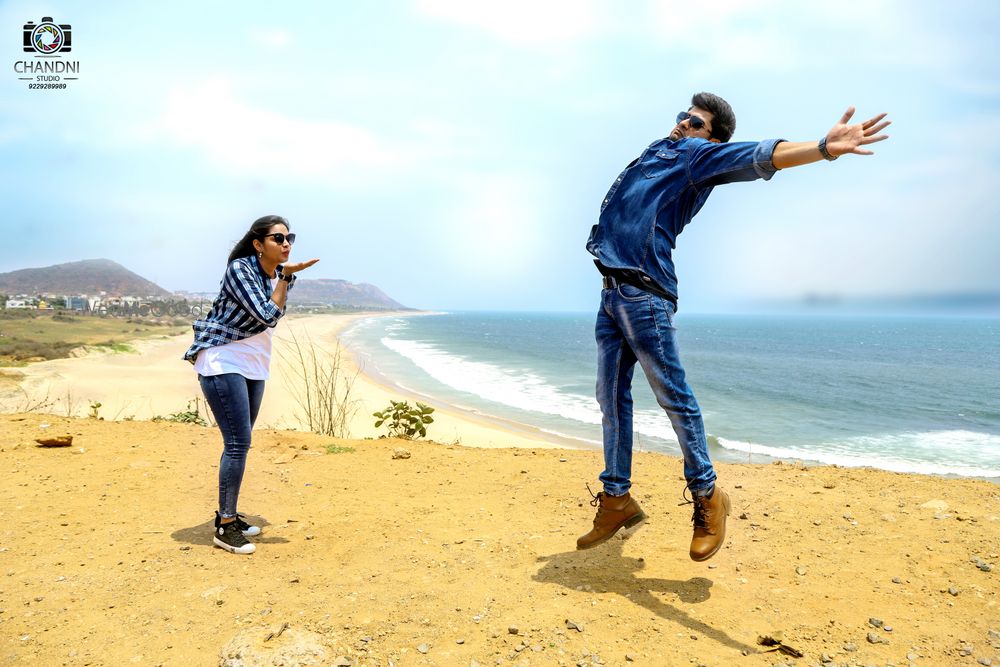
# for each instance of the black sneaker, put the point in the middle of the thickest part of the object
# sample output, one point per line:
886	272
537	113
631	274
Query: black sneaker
246	528
230	537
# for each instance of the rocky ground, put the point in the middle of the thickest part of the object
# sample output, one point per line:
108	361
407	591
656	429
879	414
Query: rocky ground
463	556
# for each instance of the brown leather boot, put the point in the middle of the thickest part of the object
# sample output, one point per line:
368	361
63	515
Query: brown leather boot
613	514
709	524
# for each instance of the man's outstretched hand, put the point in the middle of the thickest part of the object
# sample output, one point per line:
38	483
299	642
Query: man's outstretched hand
844	138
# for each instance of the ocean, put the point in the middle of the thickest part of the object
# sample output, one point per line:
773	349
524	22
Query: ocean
906	394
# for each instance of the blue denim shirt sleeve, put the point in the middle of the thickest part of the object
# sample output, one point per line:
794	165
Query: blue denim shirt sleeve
713	164
246	288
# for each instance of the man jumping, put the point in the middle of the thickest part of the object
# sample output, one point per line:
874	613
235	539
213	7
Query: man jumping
647	207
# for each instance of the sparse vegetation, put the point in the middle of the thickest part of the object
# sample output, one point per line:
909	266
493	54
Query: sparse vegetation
321	387
404	420
189	416
338	449
27	335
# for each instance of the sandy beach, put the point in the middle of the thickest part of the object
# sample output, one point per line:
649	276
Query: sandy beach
460	554
157	382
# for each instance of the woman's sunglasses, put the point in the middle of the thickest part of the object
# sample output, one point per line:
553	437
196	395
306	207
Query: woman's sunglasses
280	238
695	121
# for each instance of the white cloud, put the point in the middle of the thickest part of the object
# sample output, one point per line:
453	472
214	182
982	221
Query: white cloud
521	21
243	138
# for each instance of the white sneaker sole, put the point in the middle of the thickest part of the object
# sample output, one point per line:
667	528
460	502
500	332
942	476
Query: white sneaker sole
245	549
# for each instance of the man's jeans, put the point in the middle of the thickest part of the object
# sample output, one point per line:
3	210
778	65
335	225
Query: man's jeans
634	325
235	402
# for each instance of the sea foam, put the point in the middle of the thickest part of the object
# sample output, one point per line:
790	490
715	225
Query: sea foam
899	452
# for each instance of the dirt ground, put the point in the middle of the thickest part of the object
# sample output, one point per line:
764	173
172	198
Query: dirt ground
465	556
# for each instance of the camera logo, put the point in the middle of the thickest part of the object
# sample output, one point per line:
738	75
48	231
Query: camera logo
47	37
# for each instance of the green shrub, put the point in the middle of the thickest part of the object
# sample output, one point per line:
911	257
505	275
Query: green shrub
404	420
188	416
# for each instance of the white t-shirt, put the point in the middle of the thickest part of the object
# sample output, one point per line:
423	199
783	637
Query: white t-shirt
250	357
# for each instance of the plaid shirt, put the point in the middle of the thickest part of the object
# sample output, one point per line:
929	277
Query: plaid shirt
242	309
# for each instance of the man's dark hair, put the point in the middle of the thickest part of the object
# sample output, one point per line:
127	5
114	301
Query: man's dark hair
723	118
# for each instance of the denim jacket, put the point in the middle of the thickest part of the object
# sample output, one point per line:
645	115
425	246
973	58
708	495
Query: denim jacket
658	193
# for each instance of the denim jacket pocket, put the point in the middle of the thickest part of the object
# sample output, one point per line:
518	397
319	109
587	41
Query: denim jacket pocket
659	163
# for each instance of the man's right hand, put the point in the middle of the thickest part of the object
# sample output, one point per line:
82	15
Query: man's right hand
843	138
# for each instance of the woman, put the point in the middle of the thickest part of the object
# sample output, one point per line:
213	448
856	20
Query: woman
232	354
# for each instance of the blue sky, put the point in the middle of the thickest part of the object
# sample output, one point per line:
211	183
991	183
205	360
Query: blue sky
455	153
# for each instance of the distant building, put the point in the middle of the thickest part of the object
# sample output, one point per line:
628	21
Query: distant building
18	303
77	303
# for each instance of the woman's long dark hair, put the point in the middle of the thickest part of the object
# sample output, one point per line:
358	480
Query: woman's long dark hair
260	227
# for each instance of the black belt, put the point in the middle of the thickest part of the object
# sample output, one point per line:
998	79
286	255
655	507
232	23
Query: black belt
611	282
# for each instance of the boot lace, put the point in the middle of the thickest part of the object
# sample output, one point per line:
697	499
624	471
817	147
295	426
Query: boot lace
701	513
596	501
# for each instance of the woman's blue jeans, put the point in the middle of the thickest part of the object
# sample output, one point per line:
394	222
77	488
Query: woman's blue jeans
634	325
235	402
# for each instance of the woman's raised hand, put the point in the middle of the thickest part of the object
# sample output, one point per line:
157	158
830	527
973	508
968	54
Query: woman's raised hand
289	269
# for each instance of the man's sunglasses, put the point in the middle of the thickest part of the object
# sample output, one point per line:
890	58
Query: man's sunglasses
280	238
695	121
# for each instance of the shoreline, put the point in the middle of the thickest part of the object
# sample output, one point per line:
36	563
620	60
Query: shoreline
373	376
154	381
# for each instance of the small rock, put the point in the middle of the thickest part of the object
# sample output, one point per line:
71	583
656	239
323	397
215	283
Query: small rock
400	453
993	634
801	571
512	629
875	622
55	441
459	641
897	580
935	505
630	657
985	567
342	661
186	548
985	661
573	625
965	650
744	516
873	638
887	628
912	656
423	648
850	647
287	457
